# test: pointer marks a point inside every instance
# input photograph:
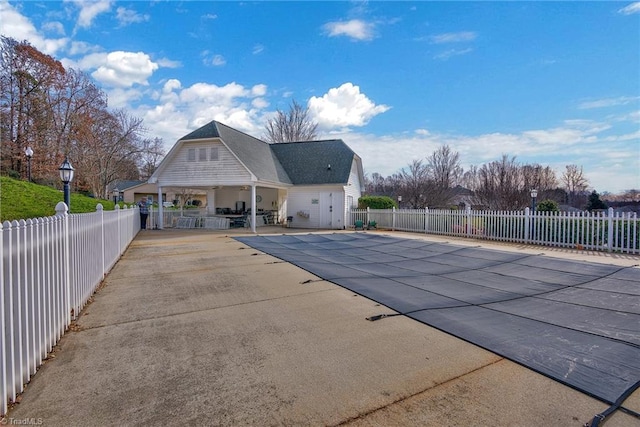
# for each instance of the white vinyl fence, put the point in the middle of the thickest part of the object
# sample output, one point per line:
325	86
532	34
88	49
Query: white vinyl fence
598	231
50	268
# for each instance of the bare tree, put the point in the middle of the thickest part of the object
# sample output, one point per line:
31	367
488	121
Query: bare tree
574	182
500	185
414	183
292	126
110	145
150	157
445	173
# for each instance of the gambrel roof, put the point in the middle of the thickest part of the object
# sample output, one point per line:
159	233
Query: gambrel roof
297	163
255	154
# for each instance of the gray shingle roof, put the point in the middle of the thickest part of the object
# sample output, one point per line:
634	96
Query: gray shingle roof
301	163
315	162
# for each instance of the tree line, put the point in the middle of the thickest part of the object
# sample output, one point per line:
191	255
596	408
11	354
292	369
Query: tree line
60	112
439	181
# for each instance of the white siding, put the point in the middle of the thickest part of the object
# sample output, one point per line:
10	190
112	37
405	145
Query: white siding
352	189
316	206
226	170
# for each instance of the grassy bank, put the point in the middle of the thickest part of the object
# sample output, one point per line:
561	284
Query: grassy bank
23	200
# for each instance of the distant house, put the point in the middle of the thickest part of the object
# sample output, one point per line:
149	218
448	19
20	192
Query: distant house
312	183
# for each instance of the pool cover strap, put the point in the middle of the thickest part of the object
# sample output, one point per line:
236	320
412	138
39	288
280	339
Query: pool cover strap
602	416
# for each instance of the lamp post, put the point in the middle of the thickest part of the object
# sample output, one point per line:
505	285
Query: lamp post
534	194
29	153
66	175
399	201
116	193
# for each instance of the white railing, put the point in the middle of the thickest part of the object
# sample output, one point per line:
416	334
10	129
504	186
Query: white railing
50	268
599	231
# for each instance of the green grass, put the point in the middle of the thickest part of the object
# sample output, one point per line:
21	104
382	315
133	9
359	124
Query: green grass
24	200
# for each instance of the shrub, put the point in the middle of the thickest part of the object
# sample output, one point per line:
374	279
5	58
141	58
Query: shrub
376	202
548	206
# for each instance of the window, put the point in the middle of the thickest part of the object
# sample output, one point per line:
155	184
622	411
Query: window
214	154
191	155
202	155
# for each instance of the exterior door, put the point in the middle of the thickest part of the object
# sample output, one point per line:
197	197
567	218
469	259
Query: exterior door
326	210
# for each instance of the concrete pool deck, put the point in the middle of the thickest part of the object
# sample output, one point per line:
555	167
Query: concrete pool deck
194	328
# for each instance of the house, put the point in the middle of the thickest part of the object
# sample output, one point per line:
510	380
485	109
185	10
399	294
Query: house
312	184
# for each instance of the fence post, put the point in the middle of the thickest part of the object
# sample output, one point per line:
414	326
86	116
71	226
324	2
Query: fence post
610	230
393	218
526	225
63	210
4	383
469	225
100	209
368	217
117	209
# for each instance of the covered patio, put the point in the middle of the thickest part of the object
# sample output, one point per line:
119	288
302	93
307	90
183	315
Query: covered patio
225	206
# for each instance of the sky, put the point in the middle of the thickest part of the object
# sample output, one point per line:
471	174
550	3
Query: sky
552	83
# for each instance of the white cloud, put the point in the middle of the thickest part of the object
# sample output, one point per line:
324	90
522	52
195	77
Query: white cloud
171	85
128	16
80	48
463	36
452	52
343	107
168	63
89	10
218	60
630	9
120	69
212	60
356	29
210	93
13	24
259	90
257	49
260	103
123	97
54	27
608	102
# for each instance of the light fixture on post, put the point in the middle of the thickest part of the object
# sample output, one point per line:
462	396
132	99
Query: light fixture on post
399	201
116	194
534	194
29	153
66	175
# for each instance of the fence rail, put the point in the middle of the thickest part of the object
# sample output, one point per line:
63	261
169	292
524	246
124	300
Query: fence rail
601	231
50	268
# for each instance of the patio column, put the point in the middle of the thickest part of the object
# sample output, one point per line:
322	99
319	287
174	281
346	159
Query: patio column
253	208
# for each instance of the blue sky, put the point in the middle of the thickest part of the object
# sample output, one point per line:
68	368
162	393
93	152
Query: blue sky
554	83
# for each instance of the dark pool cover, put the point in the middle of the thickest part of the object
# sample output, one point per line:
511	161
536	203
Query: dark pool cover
576	322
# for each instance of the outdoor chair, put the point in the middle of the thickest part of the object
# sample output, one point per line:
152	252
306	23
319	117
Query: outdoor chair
358	225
